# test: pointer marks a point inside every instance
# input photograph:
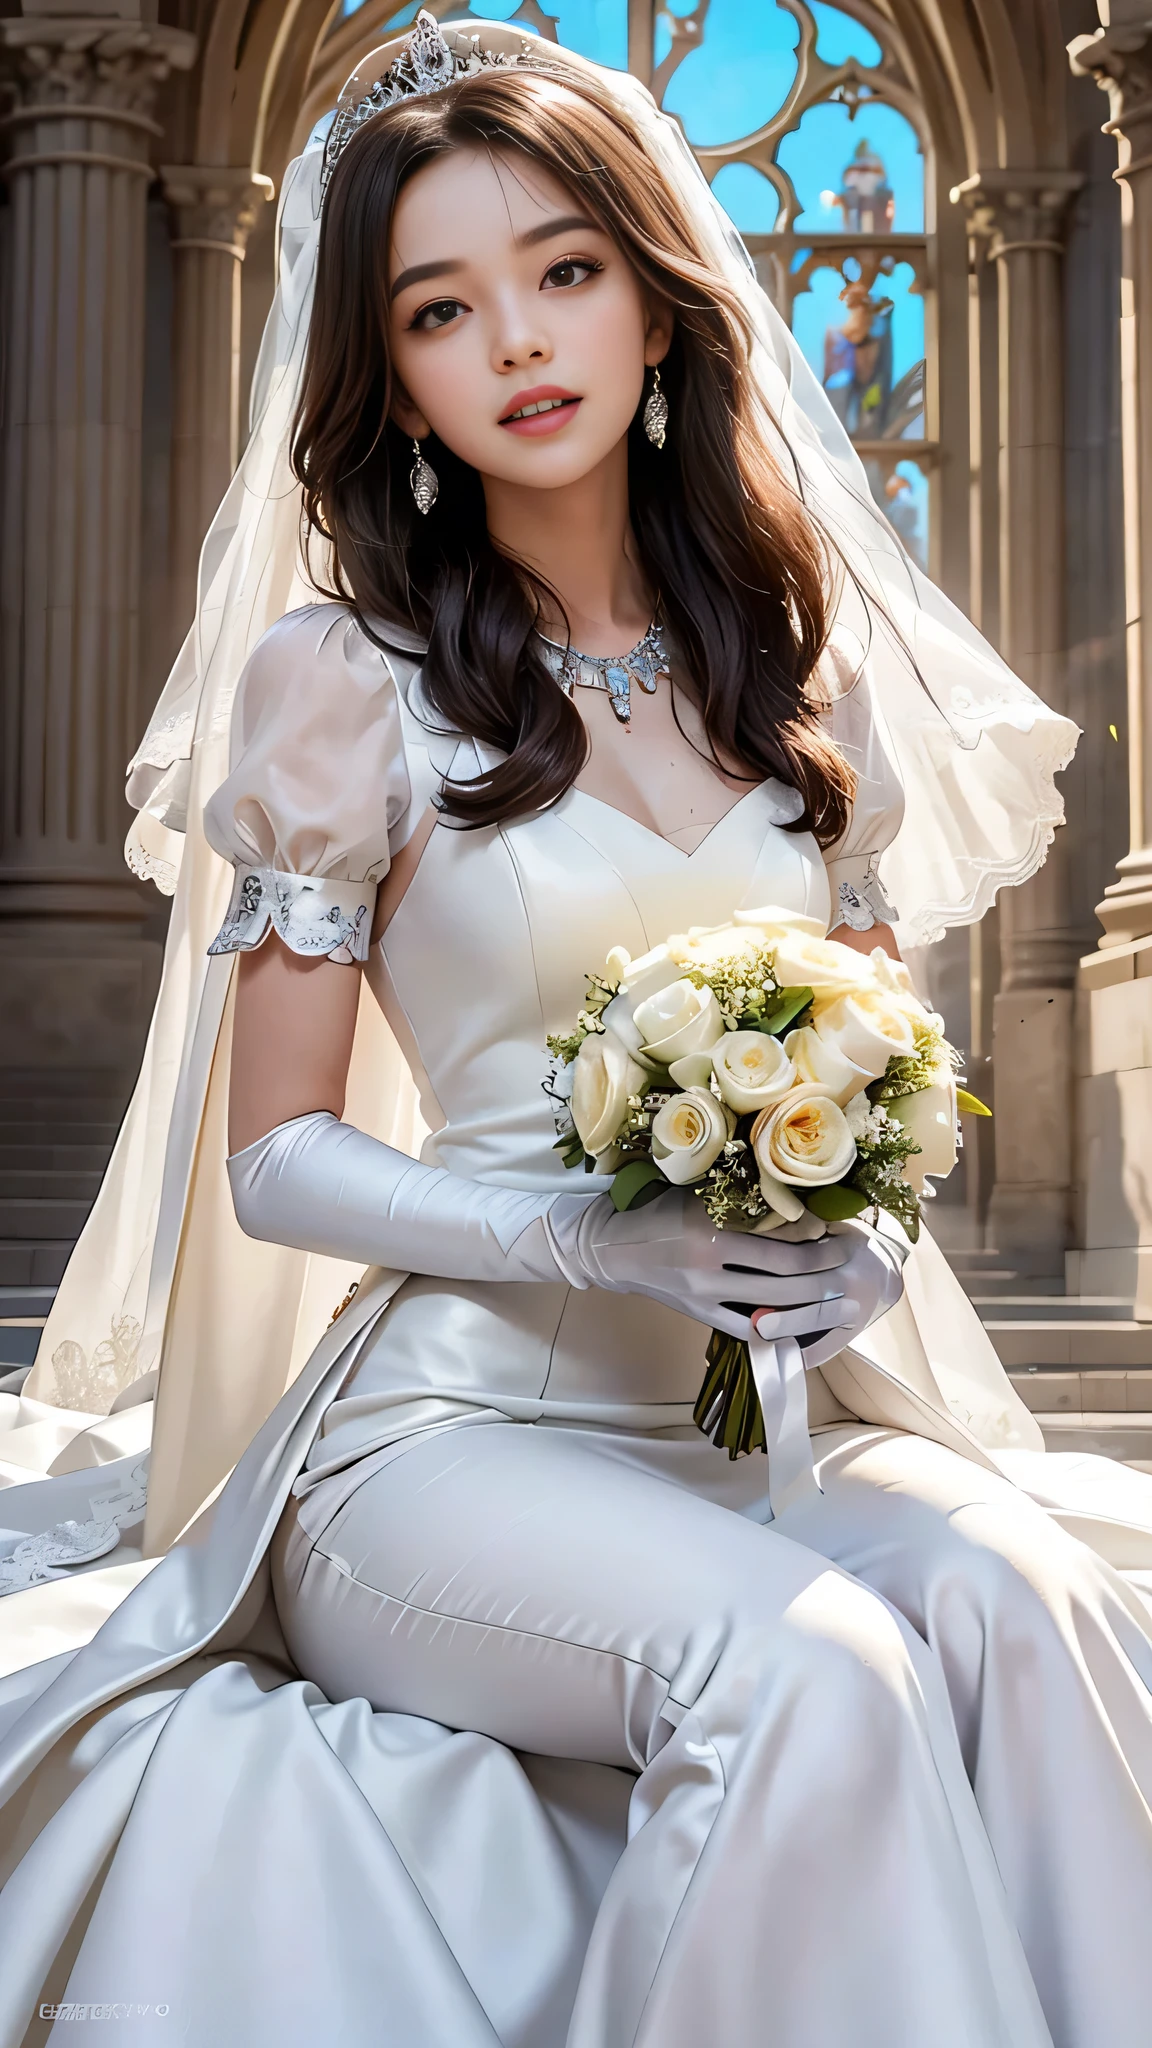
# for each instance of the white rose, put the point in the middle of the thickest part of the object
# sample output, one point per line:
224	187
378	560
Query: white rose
929	1117
617	1017
702	945
804	1140
775	923
785	1203
679	1019
693	1071
893	977
602	1080
823	1065
868	1028
891	974
823	965
643	976
689	1134
751	1069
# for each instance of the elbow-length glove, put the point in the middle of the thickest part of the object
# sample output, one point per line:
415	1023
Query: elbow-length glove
323	1186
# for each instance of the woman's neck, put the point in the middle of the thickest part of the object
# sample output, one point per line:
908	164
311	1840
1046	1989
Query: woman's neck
580	541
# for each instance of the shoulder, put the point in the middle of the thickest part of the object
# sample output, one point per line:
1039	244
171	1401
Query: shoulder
317	665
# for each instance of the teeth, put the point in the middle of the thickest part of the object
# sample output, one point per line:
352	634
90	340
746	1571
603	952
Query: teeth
542	405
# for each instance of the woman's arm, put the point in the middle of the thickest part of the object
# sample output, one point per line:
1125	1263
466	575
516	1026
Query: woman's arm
291	1039
881	935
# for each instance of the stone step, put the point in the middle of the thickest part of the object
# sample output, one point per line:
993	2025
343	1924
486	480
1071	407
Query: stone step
44	1136
1096	1389
1058	1308
41	1217
18	1343
53	1157
58	1110
989	1284
16	1082
47	1184
33	1262
1062	1343
1128	1437
26	1301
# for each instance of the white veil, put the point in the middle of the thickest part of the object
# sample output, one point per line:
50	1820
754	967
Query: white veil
161	1276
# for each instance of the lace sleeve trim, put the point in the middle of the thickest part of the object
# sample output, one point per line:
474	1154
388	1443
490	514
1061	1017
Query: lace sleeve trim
859	900
313	916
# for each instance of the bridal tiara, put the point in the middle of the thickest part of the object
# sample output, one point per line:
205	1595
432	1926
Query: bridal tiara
428	61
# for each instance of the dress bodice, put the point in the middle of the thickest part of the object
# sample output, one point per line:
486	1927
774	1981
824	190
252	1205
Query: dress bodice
488	952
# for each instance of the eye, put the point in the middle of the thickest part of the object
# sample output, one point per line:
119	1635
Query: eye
439	314
568	271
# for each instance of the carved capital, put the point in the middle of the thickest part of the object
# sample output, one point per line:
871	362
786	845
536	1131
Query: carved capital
1120	60
214	206
80	66
1011	212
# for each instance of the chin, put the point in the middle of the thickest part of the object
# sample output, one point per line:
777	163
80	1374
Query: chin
539	466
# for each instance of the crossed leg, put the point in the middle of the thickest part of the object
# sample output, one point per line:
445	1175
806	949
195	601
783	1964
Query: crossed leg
805	1853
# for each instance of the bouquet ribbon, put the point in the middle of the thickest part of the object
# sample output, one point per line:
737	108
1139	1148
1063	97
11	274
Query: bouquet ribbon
778	1370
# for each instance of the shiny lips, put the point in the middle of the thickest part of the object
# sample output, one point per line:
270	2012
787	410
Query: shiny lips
543	400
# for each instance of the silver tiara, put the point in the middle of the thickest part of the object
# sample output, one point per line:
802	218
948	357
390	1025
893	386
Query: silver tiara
426	64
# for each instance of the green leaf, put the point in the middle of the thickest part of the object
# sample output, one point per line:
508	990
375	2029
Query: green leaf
570	1149
638	1182
783	1009
971	1104
835	1204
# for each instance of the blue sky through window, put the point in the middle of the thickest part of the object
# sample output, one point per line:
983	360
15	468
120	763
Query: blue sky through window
735	81
815	153
839	37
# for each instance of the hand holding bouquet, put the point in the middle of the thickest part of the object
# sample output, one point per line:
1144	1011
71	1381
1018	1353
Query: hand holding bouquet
791	1081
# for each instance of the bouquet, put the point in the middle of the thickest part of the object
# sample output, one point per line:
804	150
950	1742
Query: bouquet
791	1081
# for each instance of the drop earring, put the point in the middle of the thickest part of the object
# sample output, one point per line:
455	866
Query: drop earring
656	413
424	481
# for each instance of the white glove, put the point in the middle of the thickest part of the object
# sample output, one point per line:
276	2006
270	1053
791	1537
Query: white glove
872	1279
672	1251
324	1186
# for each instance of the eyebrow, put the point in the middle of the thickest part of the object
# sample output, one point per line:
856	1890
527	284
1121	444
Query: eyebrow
564	224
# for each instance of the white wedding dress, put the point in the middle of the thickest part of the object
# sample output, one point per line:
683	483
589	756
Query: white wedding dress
487	1704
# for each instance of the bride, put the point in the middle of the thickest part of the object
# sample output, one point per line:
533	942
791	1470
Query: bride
488	1702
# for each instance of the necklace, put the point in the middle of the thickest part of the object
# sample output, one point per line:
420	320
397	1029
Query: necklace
613	673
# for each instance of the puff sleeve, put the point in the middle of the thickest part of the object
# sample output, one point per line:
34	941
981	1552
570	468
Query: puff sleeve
858	898
318	783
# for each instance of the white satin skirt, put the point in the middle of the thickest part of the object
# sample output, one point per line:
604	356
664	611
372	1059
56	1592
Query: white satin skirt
894	1752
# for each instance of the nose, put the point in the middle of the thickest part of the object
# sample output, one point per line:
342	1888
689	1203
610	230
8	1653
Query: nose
519	337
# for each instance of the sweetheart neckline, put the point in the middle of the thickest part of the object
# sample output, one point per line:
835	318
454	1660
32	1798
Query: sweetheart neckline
648	830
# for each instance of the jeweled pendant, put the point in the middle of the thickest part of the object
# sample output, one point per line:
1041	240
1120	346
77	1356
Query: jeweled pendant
619	690
424	481
656	414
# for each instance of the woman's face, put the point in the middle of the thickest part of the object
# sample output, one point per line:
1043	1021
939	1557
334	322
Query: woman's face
506	296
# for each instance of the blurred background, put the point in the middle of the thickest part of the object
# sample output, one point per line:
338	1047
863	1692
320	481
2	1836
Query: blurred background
956	221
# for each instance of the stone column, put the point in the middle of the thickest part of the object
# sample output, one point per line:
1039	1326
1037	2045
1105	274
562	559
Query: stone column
1115	1002
1120	59
78	131
1015	219
213	209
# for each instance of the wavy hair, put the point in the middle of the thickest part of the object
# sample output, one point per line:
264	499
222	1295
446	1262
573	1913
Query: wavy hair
722	535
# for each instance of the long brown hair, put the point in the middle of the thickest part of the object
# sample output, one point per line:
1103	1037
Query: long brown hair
723	538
